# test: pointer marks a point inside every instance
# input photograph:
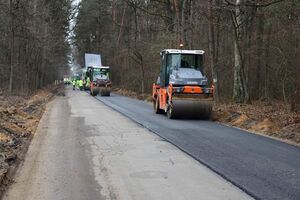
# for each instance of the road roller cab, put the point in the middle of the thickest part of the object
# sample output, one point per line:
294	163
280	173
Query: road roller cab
182	89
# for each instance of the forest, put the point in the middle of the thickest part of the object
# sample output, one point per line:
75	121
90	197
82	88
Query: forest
145	120
34	47
252	46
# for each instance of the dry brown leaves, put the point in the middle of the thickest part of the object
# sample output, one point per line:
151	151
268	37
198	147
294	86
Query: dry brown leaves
267	118
19	118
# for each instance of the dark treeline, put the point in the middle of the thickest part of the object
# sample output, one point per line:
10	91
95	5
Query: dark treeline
33	43
252	45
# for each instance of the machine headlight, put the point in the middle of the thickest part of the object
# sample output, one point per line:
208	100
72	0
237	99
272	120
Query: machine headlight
204	82
206	90
177	89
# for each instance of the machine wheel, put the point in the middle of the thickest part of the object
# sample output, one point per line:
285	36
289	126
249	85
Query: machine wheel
170	112
206	112
91	89
105	92
157	110
189	109
94	92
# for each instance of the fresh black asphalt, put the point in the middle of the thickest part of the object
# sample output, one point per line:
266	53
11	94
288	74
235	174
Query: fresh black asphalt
263	167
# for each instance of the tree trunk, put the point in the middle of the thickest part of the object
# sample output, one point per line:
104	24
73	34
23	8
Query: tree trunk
212	46
183	24
191	26
121	26
178	24
143	76
267	61
238	91
239	86
12	44
260	42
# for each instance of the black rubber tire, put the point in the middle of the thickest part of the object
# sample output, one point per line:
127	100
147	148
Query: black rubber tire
156	108
171	113
94	92
105	93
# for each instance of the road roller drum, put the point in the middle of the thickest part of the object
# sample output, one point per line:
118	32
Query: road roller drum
183	108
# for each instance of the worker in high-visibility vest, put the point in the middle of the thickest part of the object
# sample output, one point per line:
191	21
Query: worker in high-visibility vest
88	82
74	84
84	83
80	84
77	83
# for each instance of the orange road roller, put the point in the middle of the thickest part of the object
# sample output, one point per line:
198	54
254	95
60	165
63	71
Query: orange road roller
182	90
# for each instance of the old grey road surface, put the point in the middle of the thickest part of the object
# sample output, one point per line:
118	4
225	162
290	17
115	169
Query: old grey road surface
263	167
84	150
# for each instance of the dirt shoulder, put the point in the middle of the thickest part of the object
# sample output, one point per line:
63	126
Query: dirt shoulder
265	118
19	118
